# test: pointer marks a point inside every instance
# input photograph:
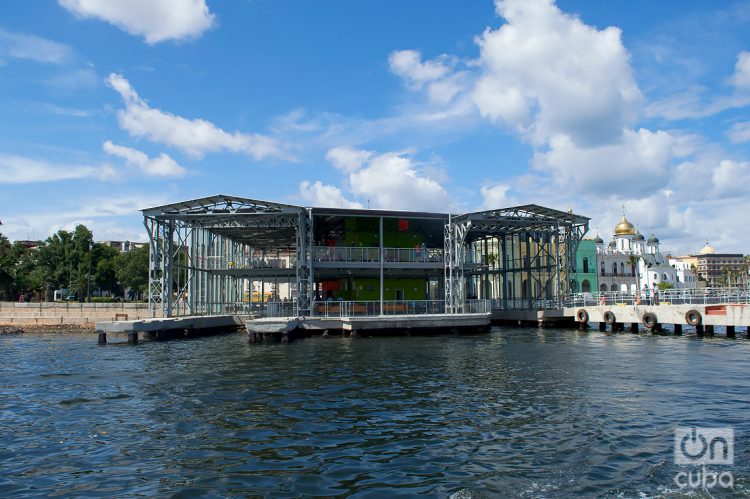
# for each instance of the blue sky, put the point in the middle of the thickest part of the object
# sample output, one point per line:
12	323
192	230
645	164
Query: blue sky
109	107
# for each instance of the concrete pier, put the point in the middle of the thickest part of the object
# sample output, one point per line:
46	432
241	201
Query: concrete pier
165	328
289	328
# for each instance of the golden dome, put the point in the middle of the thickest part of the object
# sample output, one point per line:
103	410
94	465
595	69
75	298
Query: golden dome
707	250
624	227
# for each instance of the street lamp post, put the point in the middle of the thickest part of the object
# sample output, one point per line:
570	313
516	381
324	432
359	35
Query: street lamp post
88	284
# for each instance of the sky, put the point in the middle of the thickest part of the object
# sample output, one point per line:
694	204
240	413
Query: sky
108	107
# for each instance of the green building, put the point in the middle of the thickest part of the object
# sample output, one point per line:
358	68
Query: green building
585	277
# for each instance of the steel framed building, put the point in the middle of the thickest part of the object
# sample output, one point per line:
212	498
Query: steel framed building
217	254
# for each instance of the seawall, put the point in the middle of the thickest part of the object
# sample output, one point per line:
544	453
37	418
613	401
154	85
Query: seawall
83	315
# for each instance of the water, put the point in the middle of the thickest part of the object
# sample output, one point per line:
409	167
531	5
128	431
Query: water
517	412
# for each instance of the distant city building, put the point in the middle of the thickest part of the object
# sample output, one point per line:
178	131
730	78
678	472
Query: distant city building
29	244
720	269
585	272
123	246
631	262
685	268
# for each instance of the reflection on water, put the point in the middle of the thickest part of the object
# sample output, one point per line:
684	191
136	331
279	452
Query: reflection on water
518	411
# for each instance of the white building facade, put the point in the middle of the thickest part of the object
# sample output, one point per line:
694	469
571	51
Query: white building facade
631	263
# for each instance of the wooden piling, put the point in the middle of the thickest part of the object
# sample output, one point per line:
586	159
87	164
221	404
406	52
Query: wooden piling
633	327
730	332
709	330
602	326
677	329
102	338
699	330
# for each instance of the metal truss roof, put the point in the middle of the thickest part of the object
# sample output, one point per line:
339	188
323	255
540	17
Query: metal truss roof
528	217
220	205
270	224
262	224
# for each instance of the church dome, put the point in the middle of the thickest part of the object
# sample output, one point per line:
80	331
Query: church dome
624	227
653	239
639	237
708	250
598	240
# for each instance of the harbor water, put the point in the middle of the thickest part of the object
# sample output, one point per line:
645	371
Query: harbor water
516	412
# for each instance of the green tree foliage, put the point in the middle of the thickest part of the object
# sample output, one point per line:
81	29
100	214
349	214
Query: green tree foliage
104	267
132	270
62	262
7	269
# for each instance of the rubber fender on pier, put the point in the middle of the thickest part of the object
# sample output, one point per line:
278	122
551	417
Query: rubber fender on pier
609	317
649	320
693	317
582	315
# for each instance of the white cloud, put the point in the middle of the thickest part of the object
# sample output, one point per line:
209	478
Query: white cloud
731	178
324	196
547	73
195	137
741	78
34	48
347	159
21	170
160	166
740	132
408	64
155	20
637	166
394	181
390	181
496	196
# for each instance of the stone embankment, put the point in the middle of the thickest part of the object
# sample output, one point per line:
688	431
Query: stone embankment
58	317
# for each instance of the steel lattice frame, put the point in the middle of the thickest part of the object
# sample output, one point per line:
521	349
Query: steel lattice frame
533	244
196	246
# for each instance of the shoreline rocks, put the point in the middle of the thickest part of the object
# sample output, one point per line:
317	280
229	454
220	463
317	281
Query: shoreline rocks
8	329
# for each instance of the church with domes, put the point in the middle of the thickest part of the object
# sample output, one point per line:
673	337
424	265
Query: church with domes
630	262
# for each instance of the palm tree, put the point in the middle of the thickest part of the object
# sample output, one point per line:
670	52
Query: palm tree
633	261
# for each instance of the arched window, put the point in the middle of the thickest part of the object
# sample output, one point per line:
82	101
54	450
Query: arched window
585	265
602	268
603	288
665	277
614	269
586	286
622	268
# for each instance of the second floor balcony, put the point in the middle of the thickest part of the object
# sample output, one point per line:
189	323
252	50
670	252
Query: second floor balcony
358	254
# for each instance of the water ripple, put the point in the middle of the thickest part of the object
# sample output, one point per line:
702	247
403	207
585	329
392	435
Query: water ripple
521	412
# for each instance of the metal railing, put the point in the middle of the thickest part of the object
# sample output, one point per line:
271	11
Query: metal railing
393	307
683	296
346	254
223	263
255	309
372	254
413	255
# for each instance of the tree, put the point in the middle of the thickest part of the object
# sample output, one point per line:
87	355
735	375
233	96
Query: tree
7	269
634	260
131	270
104	267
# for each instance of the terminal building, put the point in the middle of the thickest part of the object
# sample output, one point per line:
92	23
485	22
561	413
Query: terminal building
232	255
